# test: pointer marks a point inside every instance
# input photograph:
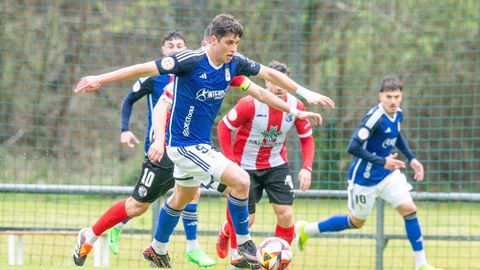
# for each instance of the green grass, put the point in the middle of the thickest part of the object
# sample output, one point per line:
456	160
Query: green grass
76	211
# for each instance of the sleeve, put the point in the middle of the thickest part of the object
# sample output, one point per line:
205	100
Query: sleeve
168	91
361	135
225	140
402	145
304	130
239	115
246	66
178	64
241	82
142	87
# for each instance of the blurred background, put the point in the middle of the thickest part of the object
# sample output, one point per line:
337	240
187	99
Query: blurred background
51	139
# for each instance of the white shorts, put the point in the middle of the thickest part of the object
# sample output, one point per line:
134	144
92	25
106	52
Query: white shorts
394	189
197	164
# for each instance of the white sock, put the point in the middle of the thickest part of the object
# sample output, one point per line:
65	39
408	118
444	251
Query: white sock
119	226
420	258
243	238
312	228
159	247
234	253
192	244
90	236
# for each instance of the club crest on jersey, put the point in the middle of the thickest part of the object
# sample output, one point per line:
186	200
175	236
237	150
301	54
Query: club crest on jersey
227	75
289	118
167	63
205	94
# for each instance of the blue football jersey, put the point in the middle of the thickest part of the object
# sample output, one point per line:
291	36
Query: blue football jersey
377	134
199	89
153	88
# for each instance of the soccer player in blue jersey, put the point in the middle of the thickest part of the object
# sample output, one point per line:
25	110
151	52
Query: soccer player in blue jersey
202	78
160	174
375	172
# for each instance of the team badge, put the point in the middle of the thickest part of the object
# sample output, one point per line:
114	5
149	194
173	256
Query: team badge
142	191
167	63
227	75
363	133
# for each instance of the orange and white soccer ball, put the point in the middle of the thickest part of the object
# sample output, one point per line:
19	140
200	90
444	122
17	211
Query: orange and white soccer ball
274	254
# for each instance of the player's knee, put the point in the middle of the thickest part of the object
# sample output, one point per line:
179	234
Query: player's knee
356	223
135	208
242	182
285	216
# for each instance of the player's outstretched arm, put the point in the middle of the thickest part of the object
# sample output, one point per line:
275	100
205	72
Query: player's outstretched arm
267	97
159	120
285	82
92	83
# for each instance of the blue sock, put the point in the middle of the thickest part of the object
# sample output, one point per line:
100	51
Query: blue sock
167	220
335	223
190	221
239	212
414	233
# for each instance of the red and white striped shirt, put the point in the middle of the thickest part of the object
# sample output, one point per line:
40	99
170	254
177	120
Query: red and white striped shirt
260	141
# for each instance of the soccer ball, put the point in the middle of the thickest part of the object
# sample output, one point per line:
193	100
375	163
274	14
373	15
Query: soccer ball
274	254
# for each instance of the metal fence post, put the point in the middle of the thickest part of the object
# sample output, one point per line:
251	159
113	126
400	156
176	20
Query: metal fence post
380	235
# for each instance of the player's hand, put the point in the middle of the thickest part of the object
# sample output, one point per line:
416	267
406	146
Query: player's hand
392	163
87	84
315	117
418	169
316	98
156	151
128	139
305	179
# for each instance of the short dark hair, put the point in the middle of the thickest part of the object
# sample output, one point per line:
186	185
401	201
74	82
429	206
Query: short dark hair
225	24
173	35
391	83
208	32
280	67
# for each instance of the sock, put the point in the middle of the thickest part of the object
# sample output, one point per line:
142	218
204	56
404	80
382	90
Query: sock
90	236
120	225
285	233
114	215
420	258
234	254
231	231
335	223
192	245
167	220
414	235
190	221
239	213
159	248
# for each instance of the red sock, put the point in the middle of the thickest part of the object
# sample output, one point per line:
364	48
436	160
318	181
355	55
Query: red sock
233	236
285	233
114	215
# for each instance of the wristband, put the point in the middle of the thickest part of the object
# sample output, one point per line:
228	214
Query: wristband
294	111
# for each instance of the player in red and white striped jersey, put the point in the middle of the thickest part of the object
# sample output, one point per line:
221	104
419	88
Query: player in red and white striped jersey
259	147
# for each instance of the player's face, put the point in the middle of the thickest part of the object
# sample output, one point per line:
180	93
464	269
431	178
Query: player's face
173	46
276	90
391	101
224	49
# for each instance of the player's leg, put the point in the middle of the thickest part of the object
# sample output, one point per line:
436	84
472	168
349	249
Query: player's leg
279	187
396	191
361	200
149	184
194	252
